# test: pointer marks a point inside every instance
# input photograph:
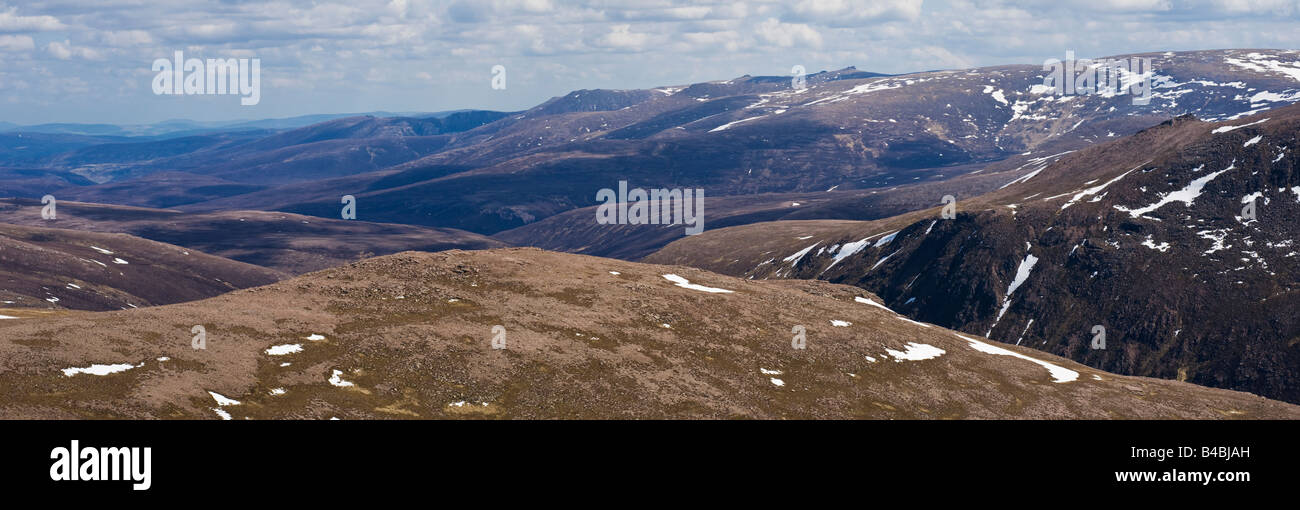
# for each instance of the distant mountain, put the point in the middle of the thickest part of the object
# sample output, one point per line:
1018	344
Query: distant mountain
488	172
409	336
337	147
183	127
757	135
37	182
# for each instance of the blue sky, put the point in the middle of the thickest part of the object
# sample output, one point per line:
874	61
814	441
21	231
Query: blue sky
80	61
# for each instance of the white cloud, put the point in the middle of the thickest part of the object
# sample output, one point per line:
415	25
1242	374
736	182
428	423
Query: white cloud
854	12
785	35
12	22
66	50
404	49
124	38
16	43
622	37
936	57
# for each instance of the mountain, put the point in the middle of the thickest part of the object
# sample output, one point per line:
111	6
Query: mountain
283	242
36	182
49	268
488	172
332	148
185	127
757	135
408	336
1150	237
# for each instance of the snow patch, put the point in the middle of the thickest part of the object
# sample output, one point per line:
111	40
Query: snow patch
1059	374
222	400
281	350
686	284
336	379
98	369
1186	195
916	352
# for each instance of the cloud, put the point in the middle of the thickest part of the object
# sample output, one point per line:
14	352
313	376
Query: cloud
16	43
65	51
935	57
469	11
315	54
785	35
840	13
622	37
11	23
125	38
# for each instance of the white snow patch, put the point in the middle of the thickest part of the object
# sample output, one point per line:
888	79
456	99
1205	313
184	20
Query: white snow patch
99	369
916	352
1059	374
1022	274
222	400
686	284
1226	129
336	379
1096	189
885	240
729	124
1162	247
863	300
280	350
1186	195
846	251
794	259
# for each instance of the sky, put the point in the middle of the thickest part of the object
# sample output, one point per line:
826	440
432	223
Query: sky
92	61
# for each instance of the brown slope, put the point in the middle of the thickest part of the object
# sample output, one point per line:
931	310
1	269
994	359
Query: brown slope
291	243
67	269
408	336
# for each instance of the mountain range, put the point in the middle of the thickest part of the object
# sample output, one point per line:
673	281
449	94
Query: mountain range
976	203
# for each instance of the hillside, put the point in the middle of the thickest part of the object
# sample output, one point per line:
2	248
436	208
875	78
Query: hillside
408	336
289	243
56	269
1148	236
